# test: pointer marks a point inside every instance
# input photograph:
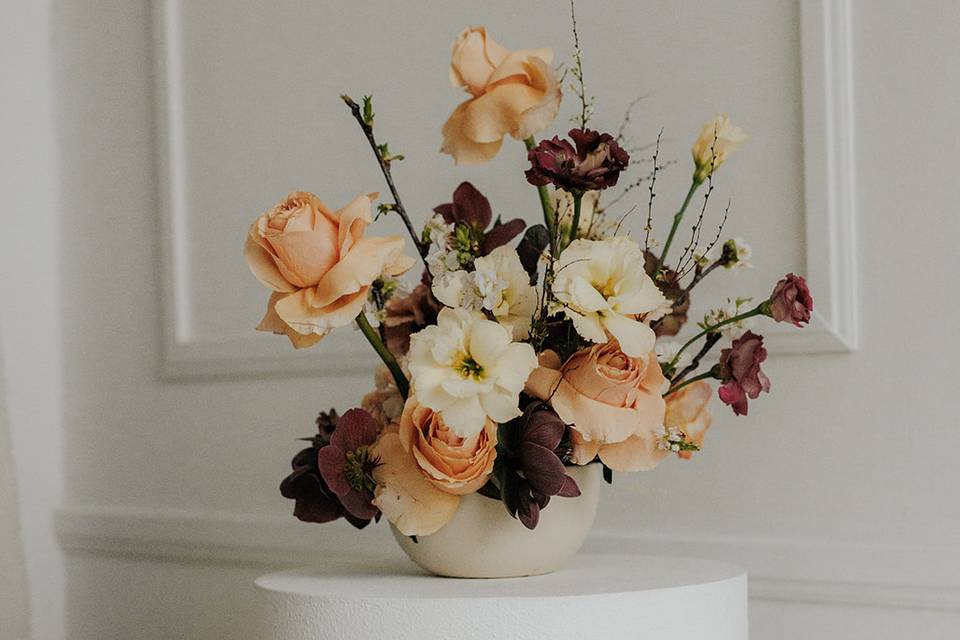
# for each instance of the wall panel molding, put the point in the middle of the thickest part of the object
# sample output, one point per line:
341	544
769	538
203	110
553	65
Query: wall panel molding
819	572
829	214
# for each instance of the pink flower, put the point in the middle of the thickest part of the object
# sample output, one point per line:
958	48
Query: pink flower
739	370
347	464
791	301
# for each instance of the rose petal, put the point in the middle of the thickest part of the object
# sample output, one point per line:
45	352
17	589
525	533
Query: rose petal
274	323
412	503
636	453
459	144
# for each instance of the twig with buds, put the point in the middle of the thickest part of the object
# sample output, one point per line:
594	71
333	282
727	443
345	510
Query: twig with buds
365	119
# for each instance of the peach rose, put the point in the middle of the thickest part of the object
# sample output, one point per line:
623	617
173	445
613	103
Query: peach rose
414	505
613	403
425	468
318	264
687	411
514	93
454	464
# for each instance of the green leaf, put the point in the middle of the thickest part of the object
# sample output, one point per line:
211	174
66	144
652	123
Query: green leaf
368	110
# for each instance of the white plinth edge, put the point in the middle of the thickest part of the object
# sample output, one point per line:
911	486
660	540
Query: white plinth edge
607	597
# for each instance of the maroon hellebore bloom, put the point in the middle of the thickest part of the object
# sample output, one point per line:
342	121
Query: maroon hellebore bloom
790	301
537	472
739	370
471	208
595	163
313	499
347	465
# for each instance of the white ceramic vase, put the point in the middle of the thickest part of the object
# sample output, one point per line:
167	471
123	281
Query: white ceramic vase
483	541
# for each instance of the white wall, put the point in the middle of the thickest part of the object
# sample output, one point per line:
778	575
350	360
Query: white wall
30	320
836	492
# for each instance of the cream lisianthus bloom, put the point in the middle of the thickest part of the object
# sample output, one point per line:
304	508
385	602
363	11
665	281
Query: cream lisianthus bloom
603	288
467	368
718	139
498	284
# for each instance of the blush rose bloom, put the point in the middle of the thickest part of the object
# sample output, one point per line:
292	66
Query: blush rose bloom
687	411
318	264
613	403
425	467
452	463
513	93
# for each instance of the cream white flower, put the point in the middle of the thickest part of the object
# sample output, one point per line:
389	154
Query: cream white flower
741	252
733	308
467	368
668	352
498	284
602	287
563	205
718	139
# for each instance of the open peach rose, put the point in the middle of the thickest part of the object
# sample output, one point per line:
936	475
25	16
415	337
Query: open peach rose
513	93
454	464
613	403
318	264
687	411
414	505
425	468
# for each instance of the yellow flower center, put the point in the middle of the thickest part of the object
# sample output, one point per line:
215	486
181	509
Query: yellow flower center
606	289
469	368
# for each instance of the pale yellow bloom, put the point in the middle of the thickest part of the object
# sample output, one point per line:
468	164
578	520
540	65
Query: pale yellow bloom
718	139
602	287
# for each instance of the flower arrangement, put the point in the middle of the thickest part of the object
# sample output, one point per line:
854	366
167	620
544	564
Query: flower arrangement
522	351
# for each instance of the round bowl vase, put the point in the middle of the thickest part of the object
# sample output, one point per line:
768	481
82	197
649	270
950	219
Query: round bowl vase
484	541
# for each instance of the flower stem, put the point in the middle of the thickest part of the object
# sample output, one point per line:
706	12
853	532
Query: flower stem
677	217
549	216
706	375
575	227
374	339
711	329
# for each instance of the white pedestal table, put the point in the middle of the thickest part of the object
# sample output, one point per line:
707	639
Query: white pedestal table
610	597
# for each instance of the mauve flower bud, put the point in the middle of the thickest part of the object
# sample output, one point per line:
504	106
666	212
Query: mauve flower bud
595	163
739	370
790	301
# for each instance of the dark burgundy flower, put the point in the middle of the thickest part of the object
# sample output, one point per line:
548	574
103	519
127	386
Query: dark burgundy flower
472	209
739	370
346	464
313	499
790	301
408	314
594	163
534	471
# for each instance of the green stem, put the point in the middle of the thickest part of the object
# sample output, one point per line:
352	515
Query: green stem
677	217
575	227
549	216
707	375
374	339
743	316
